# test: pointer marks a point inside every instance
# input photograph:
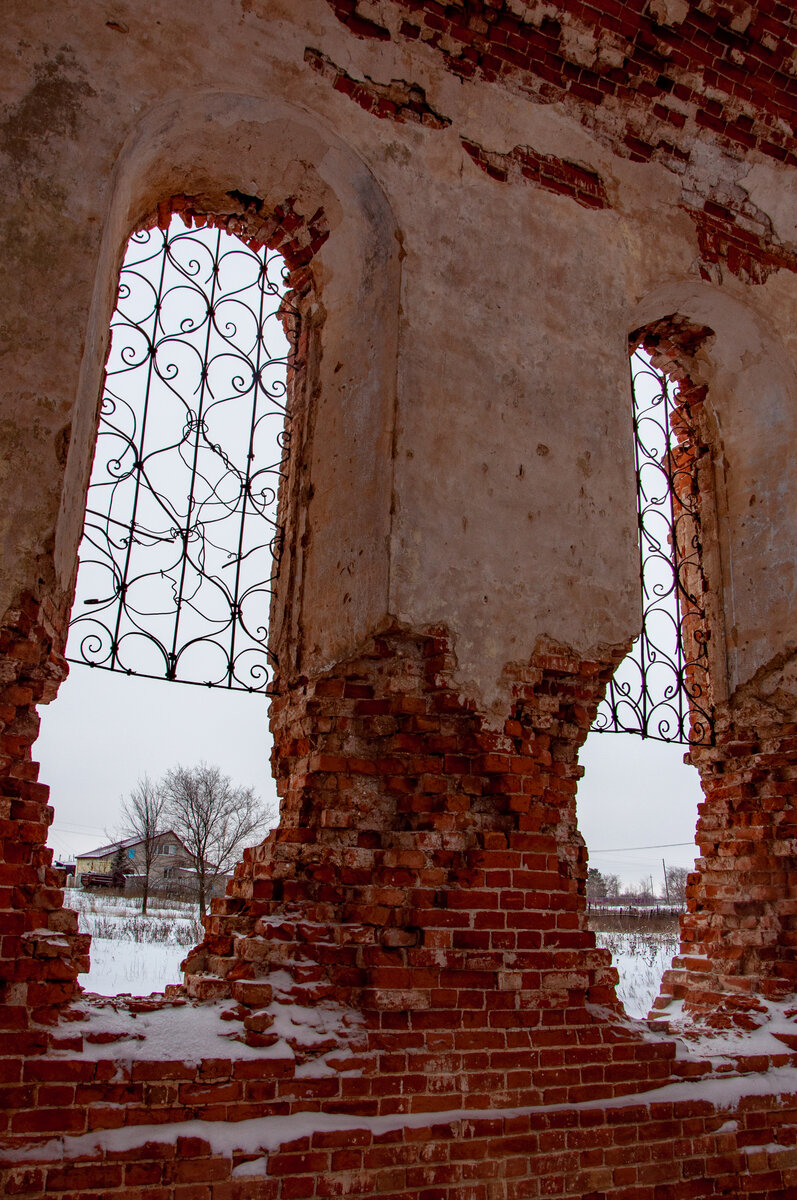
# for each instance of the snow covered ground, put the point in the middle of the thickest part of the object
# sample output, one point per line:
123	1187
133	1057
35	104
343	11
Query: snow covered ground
131	953
640	959
141	955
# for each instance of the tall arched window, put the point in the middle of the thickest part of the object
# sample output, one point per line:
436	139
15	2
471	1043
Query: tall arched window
661	689
661	692
177	564
181	541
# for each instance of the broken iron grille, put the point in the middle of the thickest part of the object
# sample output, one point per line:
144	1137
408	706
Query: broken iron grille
181	544
660	690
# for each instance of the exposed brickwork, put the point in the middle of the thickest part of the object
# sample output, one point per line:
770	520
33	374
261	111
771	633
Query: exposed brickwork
411	945
736	934
395	101
427	871
545	170
728	76
361	26
647	85
747	253
295	236
652	1150
40	948
423	902
738	938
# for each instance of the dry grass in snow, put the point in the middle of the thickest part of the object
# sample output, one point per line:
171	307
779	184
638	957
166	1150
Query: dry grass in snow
131	953
641	958
140	955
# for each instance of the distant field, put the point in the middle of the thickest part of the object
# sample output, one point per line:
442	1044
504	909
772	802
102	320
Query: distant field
640	958
140	955
642	941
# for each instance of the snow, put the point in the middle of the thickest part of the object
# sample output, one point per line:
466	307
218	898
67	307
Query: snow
262	1135
136	968
132	954
188	1032
640	959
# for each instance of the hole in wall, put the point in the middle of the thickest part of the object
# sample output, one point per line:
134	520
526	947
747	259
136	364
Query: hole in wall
637	802
637	811
175	577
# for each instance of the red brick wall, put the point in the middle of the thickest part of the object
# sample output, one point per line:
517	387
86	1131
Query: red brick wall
651	88
40	948
426	887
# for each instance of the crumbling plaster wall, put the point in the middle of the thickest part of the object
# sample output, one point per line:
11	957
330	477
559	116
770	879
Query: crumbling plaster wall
506	405
459	579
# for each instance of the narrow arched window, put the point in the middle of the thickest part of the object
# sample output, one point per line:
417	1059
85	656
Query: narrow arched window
661	689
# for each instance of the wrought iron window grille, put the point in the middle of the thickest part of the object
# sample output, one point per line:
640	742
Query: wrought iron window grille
181	543
661	688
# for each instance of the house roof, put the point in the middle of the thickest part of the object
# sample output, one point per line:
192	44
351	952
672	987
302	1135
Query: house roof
125	844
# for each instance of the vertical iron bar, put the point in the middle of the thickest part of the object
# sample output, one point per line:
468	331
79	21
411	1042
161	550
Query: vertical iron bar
263	279
173	656
640	522
139	452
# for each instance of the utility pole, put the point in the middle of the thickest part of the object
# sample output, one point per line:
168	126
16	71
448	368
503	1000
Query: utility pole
666	881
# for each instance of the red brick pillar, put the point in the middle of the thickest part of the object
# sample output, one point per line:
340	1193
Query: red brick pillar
739	934
40	949
428	873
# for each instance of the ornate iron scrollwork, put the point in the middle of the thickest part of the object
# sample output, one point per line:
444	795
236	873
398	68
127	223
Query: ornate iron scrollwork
181	544
660	690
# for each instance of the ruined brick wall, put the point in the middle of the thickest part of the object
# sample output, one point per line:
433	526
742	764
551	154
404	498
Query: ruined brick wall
479	202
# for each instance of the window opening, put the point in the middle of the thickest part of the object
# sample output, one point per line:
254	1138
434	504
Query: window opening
659	692
181	543
178	560
660	689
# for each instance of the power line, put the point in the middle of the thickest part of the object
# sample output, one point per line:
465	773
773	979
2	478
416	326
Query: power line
662	846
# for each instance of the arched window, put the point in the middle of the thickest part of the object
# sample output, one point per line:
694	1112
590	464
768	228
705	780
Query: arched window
177	564
660	692
181	541
661	689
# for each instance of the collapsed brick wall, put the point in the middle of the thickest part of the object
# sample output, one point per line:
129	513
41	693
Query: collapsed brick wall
426	885
427	871
736	935
41	951
404	958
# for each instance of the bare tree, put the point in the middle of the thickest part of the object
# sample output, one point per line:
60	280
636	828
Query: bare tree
213	818
143	814
676	884
612	883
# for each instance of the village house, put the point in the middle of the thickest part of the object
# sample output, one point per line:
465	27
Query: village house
169	859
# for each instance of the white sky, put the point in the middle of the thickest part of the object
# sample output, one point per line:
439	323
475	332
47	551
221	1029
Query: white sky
107	729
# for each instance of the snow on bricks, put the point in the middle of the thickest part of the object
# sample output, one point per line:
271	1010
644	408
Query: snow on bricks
399	995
